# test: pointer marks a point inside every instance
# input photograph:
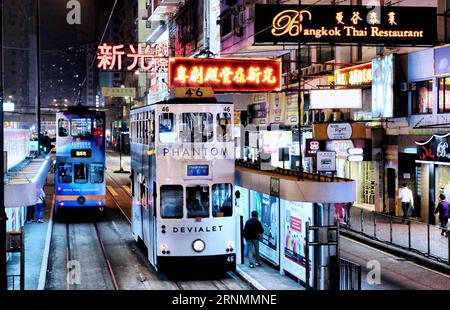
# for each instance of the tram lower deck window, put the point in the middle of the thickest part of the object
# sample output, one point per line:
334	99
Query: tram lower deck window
222	201
171	201
97	173
197	201
64	173
81	173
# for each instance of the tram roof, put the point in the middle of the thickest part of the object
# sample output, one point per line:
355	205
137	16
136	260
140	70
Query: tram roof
184	101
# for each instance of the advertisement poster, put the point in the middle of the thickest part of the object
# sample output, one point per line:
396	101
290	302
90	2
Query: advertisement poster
291	117
268	214
242	204
383	86
297	214
259	110
273	140
276	109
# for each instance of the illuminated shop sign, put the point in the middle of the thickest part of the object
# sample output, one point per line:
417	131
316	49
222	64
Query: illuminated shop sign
383	87
354	76
436	149
226	74
345	24
133	57
442	60
335	99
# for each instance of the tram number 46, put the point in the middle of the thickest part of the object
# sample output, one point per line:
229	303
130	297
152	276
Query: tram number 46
196	92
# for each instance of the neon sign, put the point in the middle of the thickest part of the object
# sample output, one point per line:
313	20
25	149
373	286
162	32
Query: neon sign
353	76
226	74
143	57
345	24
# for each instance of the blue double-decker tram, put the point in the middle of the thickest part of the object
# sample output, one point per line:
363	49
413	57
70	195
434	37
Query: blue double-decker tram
80	159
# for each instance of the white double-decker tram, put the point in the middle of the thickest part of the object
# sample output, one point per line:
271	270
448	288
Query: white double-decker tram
182	160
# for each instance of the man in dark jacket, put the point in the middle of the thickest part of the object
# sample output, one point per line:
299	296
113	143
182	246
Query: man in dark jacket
443	210
252	231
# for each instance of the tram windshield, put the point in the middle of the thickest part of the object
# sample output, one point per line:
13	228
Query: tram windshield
196	127
167	130
223	127
197	201
81	173
171	201
222	200
81	127
96	173
64	173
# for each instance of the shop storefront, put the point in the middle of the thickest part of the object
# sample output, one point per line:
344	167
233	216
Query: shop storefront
433	156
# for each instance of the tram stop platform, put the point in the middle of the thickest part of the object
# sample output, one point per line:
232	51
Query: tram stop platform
265	277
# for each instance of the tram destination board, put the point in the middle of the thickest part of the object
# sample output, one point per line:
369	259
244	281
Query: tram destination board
197	170
81	153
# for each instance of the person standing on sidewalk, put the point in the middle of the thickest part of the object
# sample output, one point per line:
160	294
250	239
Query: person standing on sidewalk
407	199
443	210
252	232
39	209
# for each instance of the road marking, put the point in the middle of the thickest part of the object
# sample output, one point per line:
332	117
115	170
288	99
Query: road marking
45	256
393	256
112	191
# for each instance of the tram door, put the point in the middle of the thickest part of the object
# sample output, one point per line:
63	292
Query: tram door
145	210
152	223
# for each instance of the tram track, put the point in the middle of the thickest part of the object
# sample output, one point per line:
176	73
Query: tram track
116	202
71	242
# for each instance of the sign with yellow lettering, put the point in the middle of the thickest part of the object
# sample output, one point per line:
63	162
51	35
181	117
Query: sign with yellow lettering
354	76
399	26
193	92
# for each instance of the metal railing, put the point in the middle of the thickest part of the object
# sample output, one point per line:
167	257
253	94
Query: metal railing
411	235
349	275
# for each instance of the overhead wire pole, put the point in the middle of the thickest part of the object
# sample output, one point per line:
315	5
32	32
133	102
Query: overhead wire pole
38	64
3	273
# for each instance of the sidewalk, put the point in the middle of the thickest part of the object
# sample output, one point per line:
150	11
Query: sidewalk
34	243
266	277
413	237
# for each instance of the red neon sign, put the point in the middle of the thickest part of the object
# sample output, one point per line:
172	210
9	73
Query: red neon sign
226	74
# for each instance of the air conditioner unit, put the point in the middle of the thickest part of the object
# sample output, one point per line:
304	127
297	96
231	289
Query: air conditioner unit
310	70
328	67
412	86
148	24
304	71
318	68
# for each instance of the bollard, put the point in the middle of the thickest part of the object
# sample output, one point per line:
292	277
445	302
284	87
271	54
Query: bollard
390	228
428	238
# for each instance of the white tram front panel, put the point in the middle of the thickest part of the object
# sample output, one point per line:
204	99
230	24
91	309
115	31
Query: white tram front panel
191	170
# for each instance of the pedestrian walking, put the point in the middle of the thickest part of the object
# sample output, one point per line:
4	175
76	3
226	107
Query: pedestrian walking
39	208
407	199
252	232
443	210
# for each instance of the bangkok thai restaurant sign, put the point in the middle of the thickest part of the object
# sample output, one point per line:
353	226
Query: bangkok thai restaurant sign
345	24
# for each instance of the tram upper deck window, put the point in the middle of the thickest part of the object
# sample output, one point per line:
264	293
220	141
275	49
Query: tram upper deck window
196	127
171	201
222	201
167	129
81	127
63	127
64	173
197	201
81	173
97	173
223	127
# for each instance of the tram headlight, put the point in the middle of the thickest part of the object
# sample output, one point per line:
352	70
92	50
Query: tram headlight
198	245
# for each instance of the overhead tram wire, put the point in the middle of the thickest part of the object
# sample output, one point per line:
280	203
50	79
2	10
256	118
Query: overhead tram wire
93	59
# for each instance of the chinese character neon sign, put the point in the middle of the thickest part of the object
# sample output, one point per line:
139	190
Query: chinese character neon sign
353	76
141	57
225	74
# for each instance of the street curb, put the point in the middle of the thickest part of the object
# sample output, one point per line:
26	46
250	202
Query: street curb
417	258
45	256
246	277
